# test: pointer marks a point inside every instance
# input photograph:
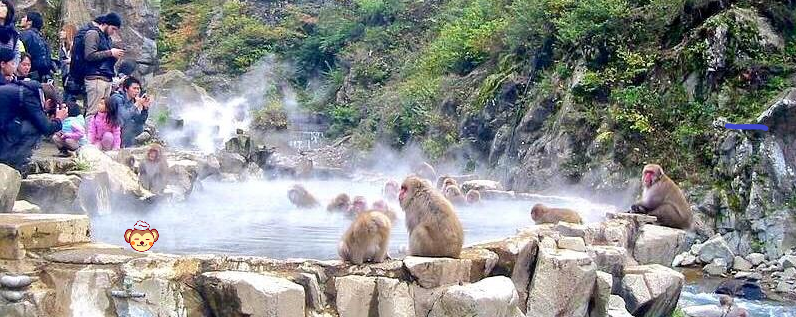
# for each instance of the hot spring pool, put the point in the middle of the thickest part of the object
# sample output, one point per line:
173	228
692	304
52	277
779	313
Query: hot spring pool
256	218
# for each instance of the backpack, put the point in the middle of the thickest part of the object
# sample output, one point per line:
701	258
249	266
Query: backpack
77	67
39	50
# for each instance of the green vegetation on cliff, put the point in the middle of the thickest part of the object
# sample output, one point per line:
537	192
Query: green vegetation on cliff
643	78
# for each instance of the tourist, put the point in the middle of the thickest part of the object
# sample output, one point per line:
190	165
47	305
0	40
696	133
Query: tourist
104	130
7	66
133	109
36	46
126	69
9	37
96	59
23	70
67	39
73	131
22	116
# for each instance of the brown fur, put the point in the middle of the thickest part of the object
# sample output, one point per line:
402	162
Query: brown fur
445	181
359	205
542	214
454	195
663	199
367	239
153	174
340	203
434	228
300	197
473	196
384	208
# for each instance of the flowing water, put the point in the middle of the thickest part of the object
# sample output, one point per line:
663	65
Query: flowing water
702	294
256	218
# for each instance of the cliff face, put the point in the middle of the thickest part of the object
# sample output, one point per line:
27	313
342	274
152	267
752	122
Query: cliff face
545	96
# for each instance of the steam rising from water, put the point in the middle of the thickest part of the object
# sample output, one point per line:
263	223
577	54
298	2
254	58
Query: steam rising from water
256	218
207	123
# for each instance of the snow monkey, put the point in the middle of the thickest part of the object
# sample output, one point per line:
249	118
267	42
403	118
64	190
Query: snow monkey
473	196
381	205
340	203
542	214
662	198
454	195
445	181
153	170
300	197
359	205
390	190
367	239
434	228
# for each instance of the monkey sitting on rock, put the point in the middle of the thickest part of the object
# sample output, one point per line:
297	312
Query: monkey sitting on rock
367	239
434	228
153	170
662	198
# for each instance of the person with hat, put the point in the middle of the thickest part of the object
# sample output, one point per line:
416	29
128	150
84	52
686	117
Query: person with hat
100	58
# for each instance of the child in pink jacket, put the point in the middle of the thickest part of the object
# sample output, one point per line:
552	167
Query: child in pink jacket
104	129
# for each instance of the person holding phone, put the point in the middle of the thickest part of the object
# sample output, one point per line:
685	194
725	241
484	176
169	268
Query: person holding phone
133	109
100	58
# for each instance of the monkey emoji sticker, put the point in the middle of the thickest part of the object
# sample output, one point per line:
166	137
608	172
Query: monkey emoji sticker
141	238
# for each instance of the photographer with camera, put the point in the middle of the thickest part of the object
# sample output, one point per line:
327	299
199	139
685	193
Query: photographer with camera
133	109
23	121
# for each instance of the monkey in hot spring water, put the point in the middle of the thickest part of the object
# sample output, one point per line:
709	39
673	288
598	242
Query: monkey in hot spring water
153	170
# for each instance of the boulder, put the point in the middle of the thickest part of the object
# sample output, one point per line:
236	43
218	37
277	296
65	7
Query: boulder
355	295
24	207
316	299
516	258
756	258
741	264
651	290
562	284
232	163
717	267
395	298
40	231
489	194
482	262
169	282
714	248
787	261
435	272
123	182
490	297
785	287
94	193
572	243
54	193
10	181
601	294
231	293
749	275
610	259
684	259
79	290
616	307
481	185
658	245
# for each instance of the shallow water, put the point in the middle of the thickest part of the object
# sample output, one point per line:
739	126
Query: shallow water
256	218
695	294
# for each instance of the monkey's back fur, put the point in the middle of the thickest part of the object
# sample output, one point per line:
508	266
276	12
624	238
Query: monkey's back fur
434	228
367	239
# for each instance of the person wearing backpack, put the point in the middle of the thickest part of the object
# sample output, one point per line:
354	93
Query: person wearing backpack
37	47
22	118
93	59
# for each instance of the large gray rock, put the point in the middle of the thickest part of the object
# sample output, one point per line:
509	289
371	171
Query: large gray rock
562	284
139	29
23	232
616	307
230	293
395	298
24	207
717	267
123	182
602	294
434	272
756	258
651	290
355	295
658	245
481	185
716	247
9	187
490	297
52	192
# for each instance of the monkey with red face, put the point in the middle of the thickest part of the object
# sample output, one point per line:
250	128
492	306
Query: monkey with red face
662	198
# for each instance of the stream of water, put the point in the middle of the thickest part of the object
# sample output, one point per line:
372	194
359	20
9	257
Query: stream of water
702	294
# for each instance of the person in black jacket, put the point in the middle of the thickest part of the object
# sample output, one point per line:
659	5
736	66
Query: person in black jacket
22	118
36	46
133	109
100	58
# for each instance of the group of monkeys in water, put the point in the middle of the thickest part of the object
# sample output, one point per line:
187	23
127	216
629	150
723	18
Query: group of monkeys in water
434	227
